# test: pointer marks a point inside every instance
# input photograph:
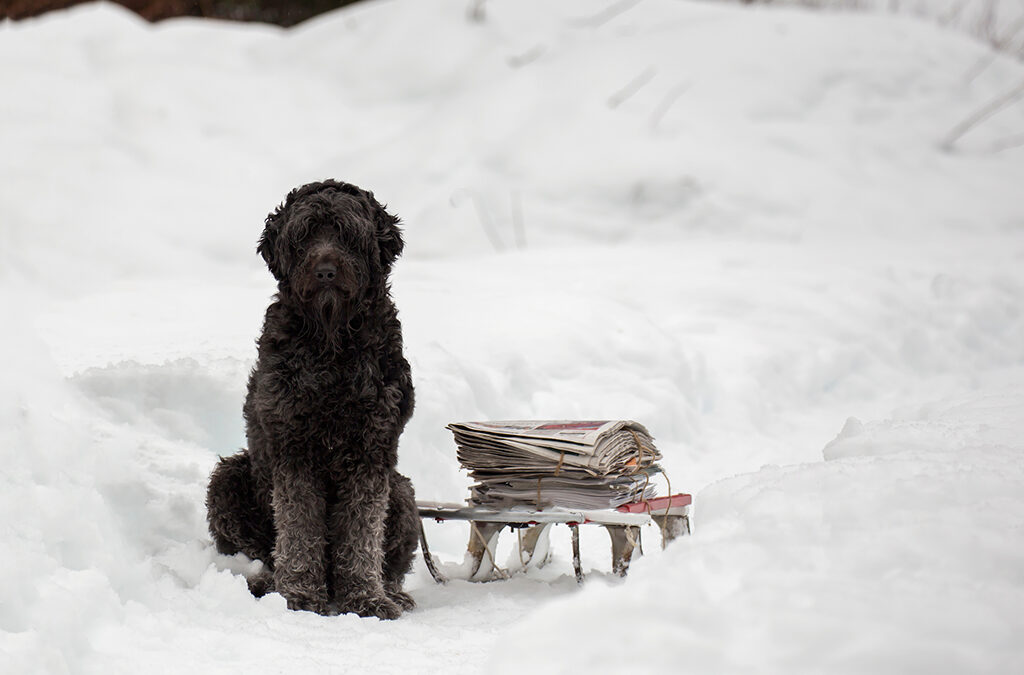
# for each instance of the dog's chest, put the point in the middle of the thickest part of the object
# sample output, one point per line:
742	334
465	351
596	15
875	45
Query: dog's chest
336	390
341	382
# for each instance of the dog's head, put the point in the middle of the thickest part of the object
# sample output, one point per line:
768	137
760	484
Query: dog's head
331	245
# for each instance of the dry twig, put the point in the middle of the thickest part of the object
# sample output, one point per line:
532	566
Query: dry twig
982	114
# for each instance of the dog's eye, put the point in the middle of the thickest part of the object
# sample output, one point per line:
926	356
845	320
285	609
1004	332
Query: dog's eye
297	230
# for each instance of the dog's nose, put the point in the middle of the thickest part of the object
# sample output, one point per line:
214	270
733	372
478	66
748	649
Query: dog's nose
326	272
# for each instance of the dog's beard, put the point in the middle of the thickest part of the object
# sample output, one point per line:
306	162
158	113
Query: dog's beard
330	309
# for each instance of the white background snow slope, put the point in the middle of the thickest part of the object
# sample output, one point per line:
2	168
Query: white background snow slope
733	224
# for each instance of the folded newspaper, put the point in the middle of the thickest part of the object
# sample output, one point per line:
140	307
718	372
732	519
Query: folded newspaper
572	464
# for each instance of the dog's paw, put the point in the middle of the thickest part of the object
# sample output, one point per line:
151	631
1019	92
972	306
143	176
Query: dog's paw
381	607
261	583
402	599
311	605
317	606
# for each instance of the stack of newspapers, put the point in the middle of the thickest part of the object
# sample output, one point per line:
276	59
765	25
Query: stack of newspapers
571	464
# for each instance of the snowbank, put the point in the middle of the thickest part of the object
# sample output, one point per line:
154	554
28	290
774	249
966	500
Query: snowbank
897	555
735	225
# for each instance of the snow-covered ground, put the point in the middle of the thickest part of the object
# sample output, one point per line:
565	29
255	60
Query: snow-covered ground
736	225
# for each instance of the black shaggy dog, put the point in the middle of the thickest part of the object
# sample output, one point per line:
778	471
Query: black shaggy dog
316	496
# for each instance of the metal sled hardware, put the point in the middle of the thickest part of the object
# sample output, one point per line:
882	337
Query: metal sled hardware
671	514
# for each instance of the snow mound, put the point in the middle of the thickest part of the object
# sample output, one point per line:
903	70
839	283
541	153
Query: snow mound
898	554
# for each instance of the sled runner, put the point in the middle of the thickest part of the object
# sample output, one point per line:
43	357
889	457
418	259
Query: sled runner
671	514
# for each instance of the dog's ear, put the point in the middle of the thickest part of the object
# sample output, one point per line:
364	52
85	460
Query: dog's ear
267	246
389	235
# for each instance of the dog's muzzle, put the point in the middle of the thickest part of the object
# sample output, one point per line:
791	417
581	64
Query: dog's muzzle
331	271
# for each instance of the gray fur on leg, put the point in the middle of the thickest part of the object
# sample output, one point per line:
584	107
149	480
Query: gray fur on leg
356	552
401	538
300	507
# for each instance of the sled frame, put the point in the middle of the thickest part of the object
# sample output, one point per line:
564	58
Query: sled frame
671	514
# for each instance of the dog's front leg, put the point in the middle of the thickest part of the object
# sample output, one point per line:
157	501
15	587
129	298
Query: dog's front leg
357	543
300	513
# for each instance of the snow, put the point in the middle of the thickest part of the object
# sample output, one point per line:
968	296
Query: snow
736	225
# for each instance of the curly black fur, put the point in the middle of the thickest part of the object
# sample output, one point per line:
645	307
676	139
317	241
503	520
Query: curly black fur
316	496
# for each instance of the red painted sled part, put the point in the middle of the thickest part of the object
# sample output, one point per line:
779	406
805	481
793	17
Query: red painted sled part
671	514
657	505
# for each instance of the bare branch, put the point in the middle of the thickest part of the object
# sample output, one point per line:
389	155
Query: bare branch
982	114
486	221
518	226
666	104
527	57
634	85
477	11
607	14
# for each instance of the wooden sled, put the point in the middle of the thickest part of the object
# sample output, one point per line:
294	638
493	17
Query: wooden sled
671	514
